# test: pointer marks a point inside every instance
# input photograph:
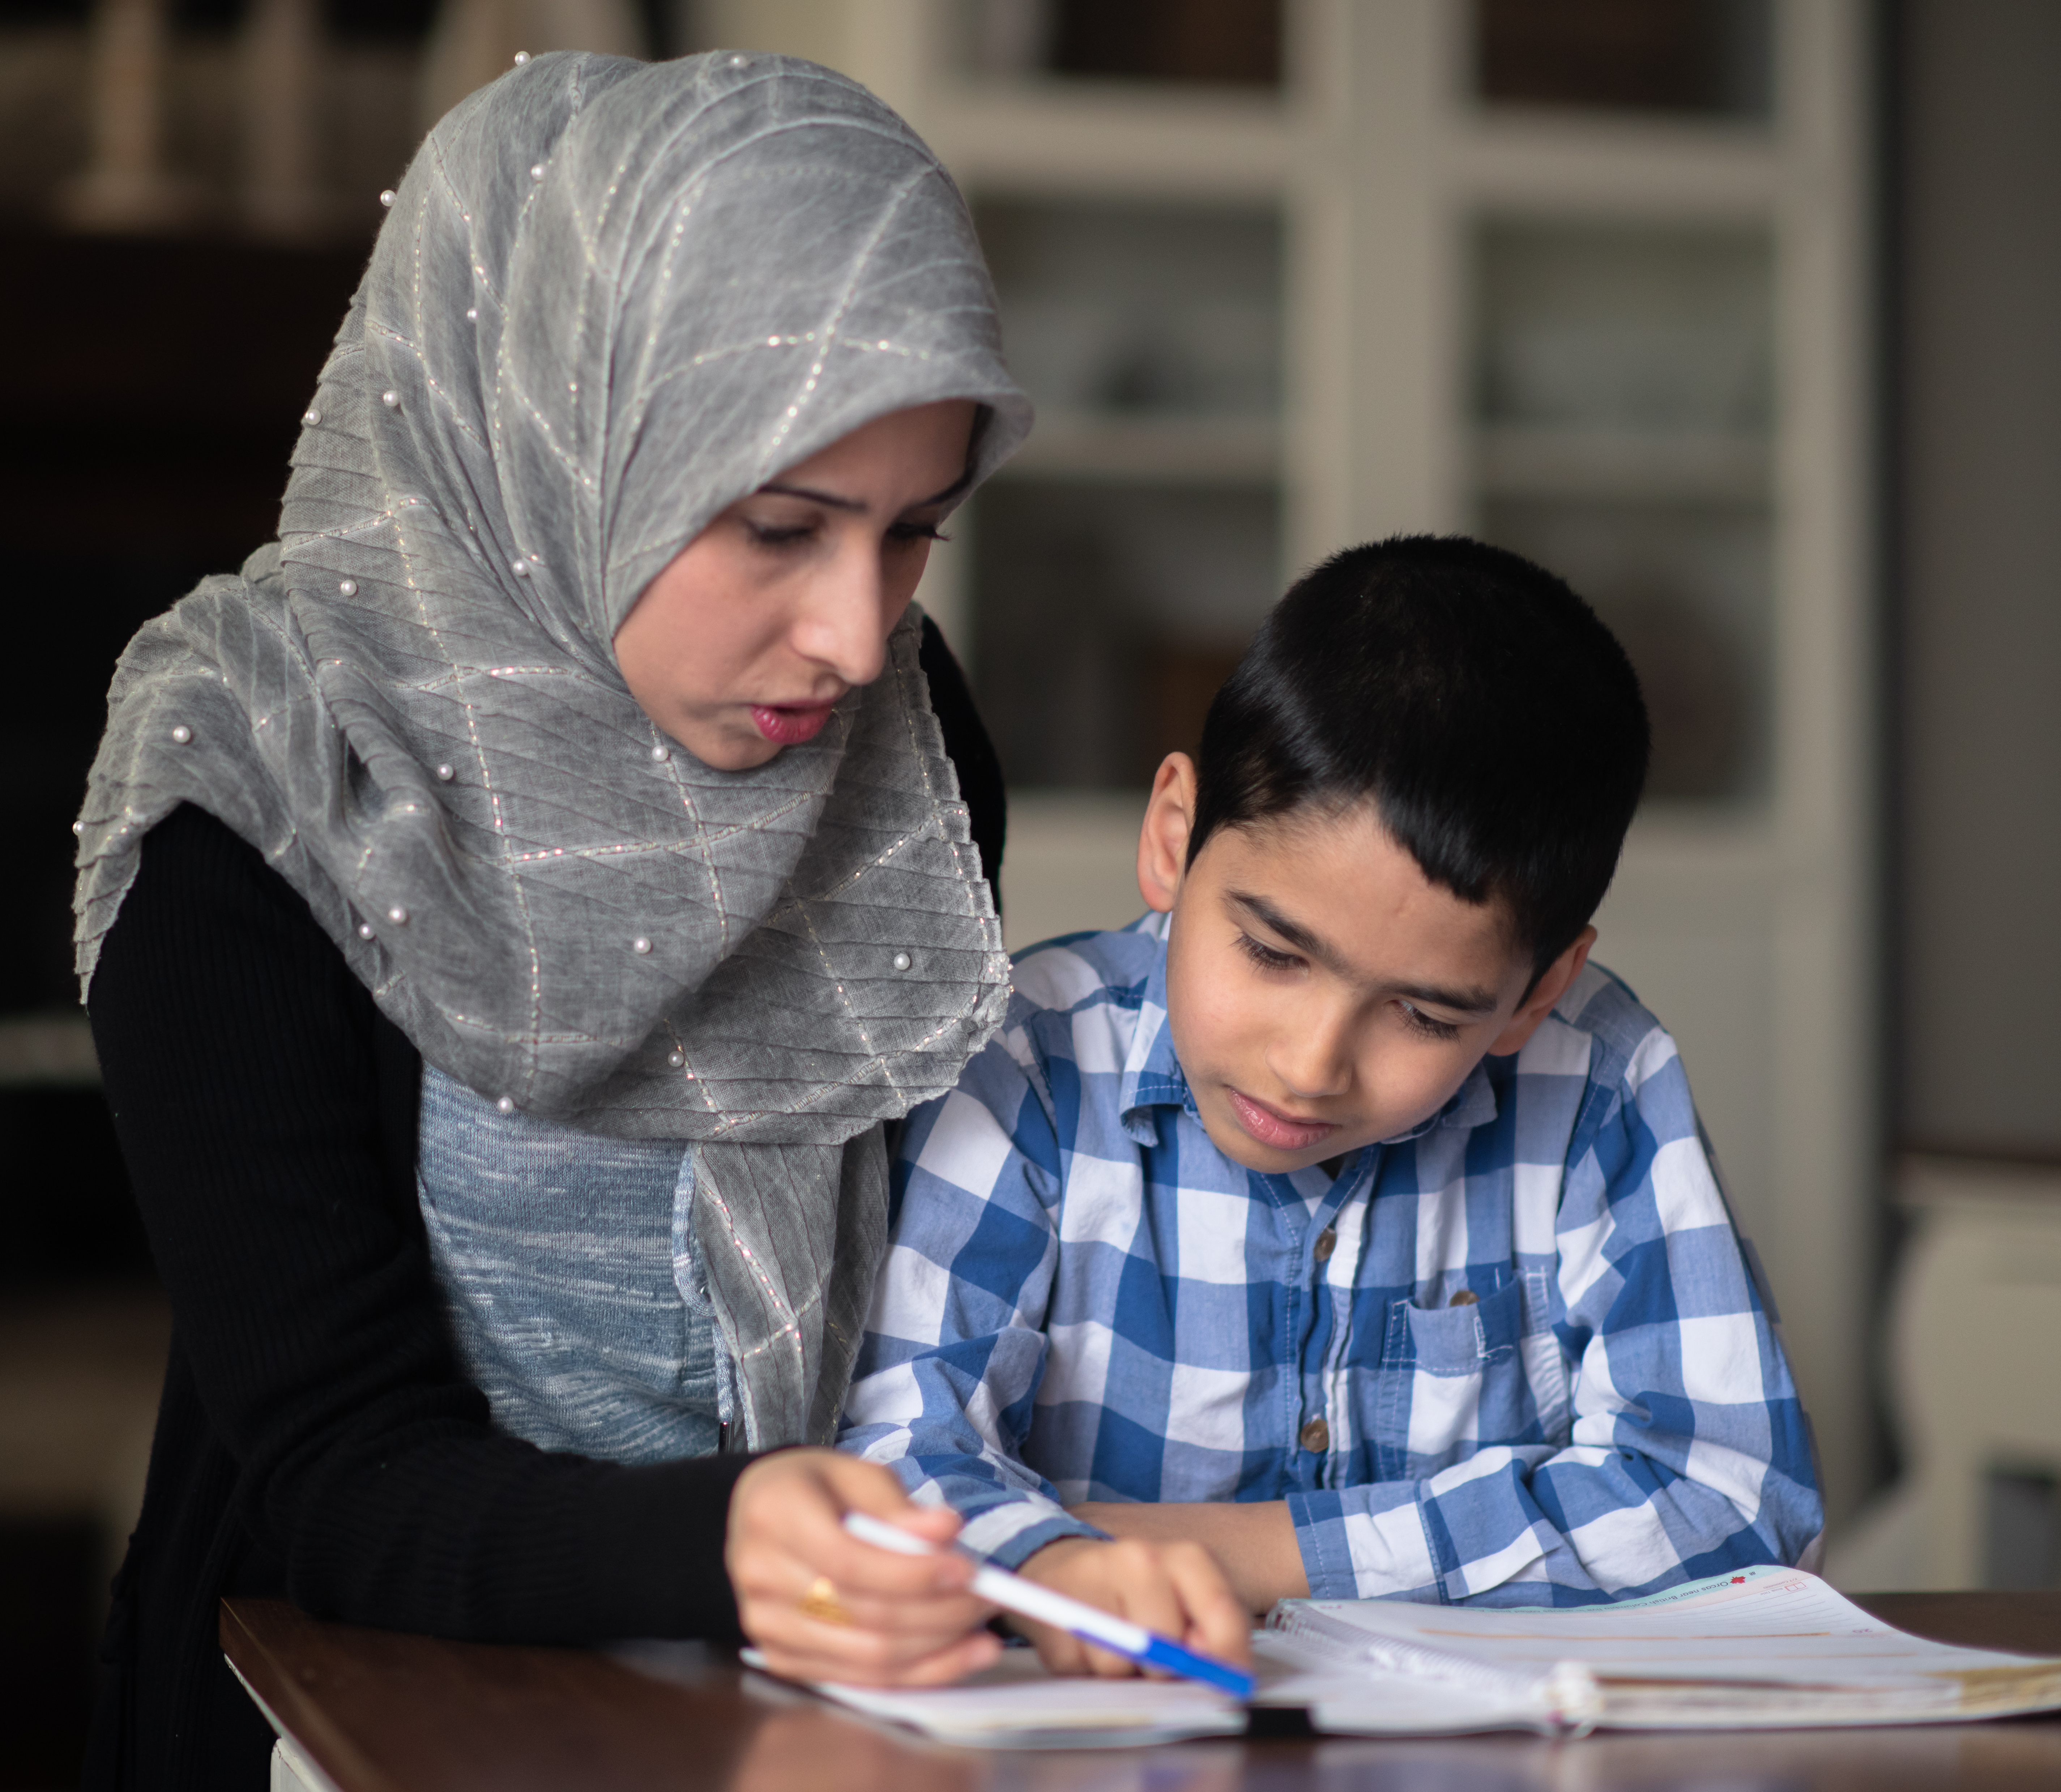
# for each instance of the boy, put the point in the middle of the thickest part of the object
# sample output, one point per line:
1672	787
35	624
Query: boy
1339	1216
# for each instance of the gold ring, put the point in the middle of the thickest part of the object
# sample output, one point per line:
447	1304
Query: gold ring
822	1603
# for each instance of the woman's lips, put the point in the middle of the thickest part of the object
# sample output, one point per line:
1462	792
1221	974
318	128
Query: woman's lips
1268	1127
789	724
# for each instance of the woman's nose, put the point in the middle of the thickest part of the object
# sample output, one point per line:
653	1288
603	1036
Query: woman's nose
843	622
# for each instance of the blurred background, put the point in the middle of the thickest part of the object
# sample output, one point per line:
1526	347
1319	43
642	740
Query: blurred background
1740	314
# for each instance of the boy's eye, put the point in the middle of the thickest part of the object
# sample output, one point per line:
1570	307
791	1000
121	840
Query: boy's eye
1265	956
1418	1022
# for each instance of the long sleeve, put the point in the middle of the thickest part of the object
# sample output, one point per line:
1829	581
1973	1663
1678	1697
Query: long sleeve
956	1346
244	1064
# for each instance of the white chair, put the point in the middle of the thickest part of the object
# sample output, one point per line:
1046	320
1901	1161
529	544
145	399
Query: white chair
1975	1350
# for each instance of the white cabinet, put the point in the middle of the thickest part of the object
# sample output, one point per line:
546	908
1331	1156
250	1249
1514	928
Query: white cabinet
1633	343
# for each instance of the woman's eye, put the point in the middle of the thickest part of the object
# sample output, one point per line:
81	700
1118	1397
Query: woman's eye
1418	1022
916	532
778	534
1265	956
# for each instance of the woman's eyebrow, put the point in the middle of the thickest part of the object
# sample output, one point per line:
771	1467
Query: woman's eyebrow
814	497
956	489
857	506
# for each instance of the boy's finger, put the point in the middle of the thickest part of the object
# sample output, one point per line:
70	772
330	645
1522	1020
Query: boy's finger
1144	1590
1217	1623
1102	1662
1061	1653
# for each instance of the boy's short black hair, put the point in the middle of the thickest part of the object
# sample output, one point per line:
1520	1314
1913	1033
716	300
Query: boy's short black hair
1494	722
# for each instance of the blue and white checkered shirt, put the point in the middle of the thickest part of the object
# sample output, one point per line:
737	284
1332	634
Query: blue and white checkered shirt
1516	1355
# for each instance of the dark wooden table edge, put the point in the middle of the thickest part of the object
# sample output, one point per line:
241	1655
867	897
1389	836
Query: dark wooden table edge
288	1710
275	1690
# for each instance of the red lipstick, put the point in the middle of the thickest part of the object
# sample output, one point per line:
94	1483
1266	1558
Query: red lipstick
789	724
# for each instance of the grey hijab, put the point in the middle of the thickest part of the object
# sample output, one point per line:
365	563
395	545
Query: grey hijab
610	299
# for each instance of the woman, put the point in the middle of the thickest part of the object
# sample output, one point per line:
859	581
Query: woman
510	910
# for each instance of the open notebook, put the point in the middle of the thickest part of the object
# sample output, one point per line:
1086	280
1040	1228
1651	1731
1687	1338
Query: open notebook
1017	1705
1763	1649
1767	1648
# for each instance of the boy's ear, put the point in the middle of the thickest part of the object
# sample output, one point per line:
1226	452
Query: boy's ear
1162	841
1551	986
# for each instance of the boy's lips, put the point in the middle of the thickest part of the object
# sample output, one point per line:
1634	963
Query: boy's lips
789	724
1283	1132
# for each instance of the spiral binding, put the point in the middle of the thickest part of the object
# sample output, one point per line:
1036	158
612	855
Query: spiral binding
1566	1699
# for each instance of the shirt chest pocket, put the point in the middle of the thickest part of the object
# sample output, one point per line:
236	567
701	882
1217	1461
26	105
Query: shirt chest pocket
1451	1381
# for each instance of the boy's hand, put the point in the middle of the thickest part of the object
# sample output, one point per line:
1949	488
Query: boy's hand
1174	1589
1253	1542
821	1605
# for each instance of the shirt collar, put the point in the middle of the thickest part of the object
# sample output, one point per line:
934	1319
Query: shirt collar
1153	1077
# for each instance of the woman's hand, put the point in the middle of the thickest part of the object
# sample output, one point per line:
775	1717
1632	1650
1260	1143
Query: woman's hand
1175	1589
823	1606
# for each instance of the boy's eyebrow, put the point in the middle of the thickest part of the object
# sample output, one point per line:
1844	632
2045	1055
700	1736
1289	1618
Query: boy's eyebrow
1460	1001
857	506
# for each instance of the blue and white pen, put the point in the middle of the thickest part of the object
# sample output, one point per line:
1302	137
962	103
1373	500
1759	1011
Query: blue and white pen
1104	1629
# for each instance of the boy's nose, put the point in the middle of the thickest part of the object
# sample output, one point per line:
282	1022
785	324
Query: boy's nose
1312	1059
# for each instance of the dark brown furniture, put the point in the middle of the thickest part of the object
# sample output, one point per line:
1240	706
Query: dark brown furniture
382	1712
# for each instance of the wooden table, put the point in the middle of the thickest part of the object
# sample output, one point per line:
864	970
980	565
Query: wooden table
383	1712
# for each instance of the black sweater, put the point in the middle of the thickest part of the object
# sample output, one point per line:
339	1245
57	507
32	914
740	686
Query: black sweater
317	1439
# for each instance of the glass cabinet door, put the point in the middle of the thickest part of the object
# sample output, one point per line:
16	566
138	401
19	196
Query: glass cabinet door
1623	385
1119	567
1712	58
1228	42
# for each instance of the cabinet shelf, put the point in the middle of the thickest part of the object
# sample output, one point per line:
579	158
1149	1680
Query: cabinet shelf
1152	450
1516	461
1544	163
1022	138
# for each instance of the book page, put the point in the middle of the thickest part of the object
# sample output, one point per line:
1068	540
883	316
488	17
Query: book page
1763	1625
1016	1704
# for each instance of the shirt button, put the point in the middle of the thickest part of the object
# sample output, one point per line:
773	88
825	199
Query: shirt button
1466	1297
1328	1241
1316	1435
